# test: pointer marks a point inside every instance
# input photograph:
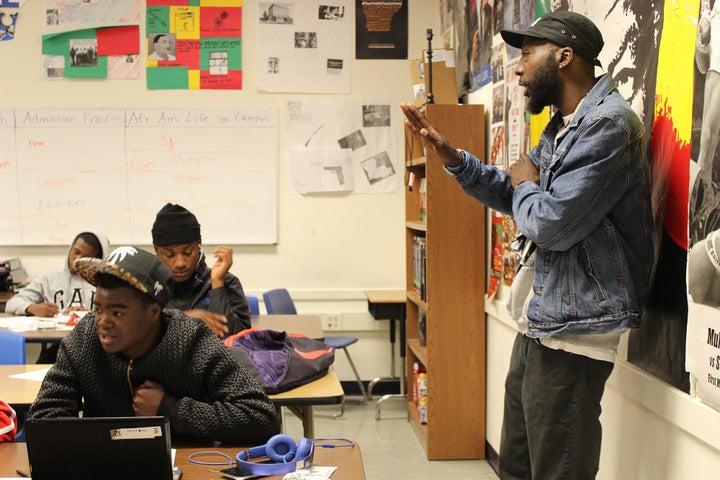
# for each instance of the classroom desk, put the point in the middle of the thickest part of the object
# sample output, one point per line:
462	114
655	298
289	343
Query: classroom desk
347	459
20	393
389	305
310	325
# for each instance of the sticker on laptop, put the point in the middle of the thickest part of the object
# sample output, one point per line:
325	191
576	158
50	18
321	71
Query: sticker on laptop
135	433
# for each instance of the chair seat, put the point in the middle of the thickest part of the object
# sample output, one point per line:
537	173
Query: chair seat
339	341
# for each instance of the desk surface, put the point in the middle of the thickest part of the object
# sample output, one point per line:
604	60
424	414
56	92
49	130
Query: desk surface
20	393
386	296
310	325
348	460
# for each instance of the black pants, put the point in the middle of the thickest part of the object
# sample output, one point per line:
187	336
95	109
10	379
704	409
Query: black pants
551	424
49	352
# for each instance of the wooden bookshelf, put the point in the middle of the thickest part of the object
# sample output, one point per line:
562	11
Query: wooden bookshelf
454	232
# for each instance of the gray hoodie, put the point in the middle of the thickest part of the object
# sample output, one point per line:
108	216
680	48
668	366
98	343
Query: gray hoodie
61	287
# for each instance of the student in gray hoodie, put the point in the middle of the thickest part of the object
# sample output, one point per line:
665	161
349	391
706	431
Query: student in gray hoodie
60	291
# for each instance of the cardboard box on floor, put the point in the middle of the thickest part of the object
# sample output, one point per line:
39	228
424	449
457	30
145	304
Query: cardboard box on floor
443	78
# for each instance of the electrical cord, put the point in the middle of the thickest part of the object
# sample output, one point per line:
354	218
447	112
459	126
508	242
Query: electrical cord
229	461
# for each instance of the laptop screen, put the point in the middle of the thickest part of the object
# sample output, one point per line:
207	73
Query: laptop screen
105	447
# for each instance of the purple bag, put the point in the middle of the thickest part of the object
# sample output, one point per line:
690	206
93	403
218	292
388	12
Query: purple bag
283	361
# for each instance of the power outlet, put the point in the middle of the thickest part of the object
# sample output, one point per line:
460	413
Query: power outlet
333	322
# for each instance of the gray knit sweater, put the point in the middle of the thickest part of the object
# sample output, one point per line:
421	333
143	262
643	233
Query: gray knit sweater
209	395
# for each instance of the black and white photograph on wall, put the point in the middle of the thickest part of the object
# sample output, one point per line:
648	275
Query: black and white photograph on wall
353	141
305	40
271	12
161	46
52	16
331	12
334	66
273	65
376	115
83	52
705	194
378	167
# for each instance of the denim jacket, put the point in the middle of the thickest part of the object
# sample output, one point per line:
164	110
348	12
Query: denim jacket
590	217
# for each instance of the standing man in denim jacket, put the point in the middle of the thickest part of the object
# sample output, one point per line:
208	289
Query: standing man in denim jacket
582	201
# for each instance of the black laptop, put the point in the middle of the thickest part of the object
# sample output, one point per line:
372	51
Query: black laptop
104	448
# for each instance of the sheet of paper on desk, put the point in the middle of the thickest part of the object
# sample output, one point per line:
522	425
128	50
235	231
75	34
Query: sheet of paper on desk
19	324
314	472
37	375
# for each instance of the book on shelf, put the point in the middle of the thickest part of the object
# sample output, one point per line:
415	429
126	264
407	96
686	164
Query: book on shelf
423	198
419	262
422	327
420	390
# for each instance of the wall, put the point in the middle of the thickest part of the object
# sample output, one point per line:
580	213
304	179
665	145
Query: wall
331	247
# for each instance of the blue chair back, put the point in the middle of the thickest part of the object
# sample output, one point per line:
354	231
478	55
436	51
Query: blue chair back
279	302
12	348
254	304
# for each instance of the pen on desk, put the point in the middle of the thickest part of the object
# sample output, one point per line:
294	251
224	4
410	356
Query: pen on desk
22	474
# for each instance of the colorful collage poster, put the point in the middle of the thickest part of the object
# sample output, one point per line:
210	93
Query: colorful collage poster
194	44
98	39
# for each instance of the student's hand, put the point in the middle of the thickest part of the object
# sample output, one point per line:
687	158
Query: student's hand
216	321
147	398
223	262
523	170
45	309
431	139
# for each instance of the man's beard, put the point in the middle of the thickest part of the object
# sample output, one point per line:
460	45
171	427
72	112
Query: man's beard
543	89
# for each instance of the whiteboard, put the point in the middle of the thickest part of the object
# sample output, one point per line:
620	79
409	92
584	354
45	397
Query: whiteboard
111	170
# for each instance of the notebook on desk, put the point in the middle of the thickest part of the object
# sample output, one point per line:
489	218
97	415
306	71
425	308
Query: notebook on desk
106	448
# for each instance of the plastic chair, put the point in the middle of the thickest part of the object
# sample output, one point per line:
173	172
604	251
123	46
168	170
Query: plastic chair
12	352
254	304
279	301
12	348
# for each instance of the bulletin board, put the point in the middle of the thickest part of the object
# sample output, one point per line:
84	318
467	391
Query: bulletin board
63	171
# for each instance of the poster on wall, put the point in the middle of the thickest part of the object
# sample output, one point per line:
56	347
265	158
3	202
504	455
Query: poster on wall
381	29
703	331
98	39
343	146
303	50
194	47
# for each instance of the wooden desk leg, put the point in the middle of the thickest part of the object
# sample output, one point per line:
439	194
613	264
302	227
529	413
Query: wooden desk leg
308	422
305	414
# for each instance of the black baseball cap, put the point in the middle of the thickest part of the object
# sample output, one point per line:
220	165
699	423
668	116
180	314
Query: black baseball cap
567	29
138	268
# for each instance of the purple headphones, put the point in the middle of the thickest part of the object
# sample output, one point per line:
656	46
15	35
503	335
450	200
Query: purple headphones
282	452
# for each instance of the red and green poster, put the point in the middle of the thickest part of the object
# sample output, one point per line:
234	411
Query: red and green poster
194	44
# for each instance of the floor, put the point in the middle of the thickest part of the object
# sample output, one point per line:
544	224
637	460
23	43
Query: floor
389	447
